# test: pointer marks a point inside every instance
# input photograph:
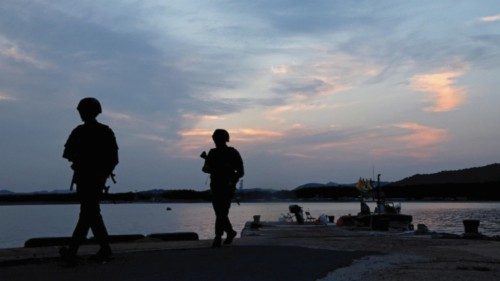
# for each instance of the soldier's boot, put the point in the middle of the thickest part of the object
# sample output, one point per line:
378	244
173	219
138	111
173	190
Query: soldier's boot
103	255
230	237
217	243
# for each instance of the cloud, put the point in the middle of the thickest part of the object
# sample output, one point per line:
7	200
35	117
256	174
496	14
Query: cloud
295	103
414	140
195	140
242	134
280	70
409	140
203	117
420	135
441	89
246	133
490	18
117	116
153	138
308	86
196	133
12	51
329	72
5	97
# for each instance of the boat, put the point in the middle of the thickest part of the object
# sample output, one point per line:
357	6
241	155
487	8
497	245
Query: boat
387	215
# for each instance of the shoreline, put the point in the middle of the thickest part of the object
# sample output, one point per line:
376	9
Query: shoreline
242	202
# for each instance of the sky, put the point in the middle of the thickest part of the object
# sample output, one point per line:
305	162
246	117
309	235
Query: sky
310	91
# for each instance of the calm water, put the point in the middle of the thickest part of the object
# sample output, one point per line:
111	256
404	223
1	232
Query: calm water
19	223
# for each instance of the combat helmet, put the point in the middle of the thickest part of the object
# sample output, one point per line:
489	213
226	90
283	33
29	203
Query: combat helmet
220	135
89	105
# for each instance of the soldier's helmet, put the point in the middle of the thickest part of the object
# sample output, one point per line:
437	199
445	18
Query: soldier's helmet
220	135
90	106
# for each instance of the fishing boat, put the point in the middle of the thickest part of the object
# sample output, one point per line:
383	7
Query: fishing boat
387	215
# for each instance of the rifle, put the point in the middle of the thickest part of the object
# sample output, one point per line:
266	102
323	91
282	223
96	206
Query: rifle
73	181
105	189
236	197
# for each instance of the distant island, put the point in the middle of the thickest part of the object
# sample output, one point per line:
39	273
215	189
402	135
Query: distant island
473	184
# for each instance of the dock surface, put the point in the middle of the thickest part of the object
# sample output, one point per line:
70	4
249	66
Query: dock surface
276	251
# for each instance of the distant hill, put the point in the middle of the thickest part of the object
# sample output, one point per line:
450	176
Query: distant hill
332	185
310	185
55	191
489	173
317	185
263	190
152	191
41	192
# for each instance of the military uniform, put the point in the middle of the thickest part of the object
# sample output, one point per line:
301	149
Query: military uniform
93	151
225	167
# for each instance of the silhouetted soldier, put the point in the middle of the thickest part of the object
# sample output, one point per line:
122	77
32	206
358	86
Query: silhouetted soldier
225	166
92	149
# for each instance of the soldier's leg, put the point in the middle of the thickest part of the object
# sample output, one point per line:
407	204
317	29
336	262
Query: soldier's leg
225	206
96	222
81	229
98	227
228	228
219	215
219	223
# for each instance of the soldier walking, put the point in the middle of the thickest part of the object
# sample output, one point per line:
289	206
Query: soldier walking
93	152
225	166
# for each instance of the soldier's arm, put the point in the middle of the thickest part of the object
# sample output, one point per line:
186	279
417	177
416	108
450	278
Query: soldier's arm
113	152
70	146
114	145
240	170
207	165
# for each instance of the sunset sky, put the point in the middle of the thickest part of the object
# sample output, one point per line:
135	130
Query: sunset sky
310	91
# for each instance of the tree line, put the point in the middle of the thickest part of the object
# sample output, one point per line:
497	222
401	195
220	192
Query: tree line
487	191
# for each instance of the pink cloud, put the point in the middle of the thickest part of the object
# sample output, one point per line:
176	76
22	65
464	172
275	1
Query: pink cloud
297	106
441	90
196	133
5	97
203	117
409	139
11	51
490	18
195	140
280	70
422	136
241	133
257	133
417	141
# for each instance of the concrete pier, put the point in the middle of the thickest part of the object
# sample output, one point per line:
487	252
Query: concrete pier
275	251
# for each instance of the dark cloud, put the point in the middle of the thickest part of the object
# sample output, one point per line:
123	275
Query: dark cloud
309	86
287	18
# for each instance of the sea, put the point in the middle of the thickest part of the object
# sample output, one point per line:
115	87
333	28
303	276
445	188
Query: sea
21	222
